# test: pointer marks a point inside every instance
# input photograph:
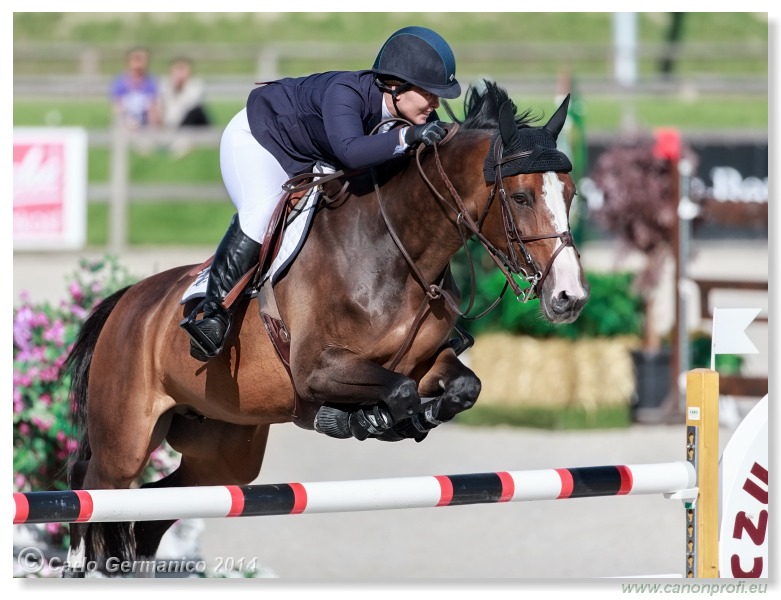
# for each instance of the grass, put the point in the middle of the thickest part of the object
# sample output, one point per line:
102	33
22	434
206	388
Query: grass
117	32
602	417
165	223
602	113
220	33
197	222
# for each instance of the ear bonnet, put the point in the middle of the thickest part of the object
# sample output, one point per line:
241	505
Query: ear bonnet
533	149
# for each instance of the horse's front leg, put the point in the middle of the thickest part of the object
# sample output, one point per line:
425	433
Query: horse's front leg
454	388
356	397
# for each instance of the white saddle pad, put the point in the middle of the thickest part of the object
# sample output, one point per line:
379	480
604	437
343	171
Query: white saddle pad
298	224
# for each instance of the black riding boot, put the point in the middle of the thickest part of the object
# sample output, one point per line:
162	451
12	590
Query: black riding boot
235	255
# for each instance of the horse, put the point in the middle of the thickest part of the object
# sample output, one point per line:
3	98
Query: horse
369	306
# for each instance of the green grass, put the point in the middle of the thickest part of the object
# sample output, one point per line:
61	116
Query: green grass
197	222
603	417
165	223
120	31
602	113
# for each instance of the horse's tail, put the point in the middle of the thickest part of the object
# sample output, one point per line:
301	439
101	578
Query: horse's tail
78	364
108	539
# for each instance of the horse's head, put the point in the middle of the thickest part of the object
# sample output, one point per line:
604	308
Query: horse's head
524	215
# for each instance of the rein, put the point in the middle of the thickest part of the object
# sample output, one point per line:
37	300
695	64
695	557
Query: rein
507	264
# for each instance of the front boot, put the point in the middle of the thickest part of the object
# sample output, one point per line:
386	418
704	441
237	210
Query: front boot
234	256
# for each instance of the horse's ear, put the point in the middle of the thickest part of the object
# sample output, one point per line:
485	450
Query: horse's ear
556	122
507	127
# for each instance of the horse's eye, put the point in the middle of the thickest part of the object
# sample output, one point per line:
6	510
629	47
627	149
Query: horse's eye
522	198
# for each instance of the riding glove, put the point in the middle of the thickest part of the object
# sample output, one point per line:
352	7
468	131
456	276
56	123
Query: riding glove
428	133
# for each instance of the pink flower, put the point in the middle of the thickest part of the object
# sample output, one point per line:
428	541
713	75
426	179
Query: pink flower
75	291
53	528
78	312
18	401
45	399
24	429
39	319
20	481
56	333
41	423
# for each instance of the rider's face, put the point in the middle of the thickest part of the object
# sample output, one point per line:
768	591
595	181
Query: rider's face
416	104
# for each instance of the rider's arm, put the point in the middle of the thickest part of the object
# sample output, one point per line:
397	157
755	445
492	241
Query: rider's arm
344	127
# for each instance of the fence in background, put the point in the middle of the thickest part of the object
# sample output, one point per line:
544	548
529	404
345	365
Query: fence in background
81	70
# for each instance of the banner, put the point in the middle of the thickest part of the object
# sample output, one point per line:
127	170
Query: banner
50	188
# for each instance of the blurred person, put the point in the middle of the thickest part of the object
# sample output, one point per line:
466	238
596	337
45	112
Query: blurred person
135	94
182	96
289	125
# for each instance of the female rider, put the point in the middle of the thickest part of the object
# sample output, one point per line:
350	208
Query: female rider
291	124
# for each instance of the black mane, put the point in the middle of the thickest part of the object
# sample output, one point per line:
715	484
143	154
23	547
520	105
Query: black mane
481	107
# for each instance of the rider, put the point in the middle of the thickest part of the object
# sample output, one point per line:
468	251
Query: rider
290	125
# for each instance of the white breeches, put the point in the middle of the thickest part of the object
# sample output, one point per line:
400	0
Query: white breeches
252	176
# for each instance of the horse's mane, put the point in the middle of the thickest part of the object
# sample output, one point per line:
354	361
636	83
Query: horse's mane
482	104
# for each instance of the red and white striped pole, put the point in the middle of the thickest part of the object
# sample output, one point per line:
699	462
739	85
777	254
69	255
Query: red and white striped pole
148	504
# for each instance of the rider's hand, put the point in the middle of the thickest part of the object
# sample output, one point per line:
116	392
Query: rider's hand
428	133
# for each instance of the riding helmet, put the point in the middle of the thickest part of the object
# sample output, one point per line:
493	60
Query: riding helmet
421	57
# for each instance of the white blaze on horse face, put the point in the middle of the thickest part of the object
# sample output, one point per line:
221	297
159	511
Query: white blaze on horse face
566	268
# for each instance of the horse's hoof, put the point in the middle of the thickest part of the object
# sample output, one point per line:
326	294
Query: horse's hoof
333	422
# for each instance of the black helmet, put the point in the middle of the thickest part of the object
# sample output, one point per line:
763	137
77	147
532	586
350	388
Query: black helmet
421	57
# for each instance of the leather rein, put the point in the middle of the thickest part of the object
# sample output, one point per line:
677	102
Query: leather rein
509	263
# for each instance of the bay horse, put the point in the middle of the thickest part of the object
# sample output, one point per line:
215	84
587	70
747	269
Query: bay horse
369	304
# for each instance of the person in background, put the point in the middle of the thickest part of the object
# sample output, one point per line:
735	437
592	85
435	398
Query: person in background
182	96
135	94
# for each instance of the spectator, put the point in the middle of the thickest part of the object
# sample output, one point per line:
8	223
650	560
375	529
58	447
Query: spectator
135	93
182	96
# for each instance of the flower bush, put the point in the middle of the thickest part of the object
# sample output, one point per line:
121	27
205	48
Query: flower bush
44	432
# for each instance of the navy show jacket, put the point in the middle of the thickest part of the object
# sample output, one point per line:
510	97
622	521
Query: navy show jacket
322	117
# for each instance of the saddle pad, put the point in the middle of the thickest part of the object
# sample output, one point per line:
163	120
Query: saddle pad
298	223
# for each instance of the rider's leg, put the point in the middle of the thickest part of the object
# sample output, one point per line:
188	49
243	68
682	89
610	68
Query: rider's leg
235	256
253	179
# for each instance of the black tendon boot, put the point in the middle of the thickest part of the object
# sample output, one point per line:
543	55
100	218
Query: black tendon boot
234	257
360	423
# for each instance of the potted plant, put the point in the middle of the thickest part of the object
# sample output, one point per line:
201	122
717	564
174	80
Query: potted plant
638	179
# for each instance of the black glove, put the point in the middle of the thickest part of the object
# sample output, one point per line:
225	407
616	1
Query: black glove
428	133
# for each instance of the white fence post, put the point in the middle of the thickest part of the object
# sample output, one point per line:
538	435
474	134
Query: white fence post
117	231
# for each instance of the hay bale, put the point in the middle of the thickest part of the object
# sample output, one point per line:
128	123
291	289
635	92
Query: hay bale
528	372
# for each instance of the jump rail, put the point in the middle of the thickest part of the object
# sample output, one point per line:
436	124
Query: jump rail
695	481
151	504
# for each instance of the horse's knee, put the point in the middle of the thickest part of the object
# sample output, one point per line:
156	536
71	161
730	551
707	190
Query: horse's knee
460	395
404	400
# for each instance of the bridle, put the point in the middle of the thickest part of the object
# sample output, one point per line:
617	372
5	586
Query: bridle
515	239
509	263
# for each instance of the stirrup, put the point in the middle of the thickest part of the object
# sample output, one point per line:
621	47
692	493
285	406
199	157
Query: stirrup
203	347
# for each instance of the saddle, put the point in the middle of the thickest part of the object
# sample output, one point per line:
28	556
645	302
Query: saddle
284	238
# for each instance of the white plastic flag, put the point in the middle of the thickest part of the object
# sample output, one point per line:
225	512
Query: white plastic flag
729	332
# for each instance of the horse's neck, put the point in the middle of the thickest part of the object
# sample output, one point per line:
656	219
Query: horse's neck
424	228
